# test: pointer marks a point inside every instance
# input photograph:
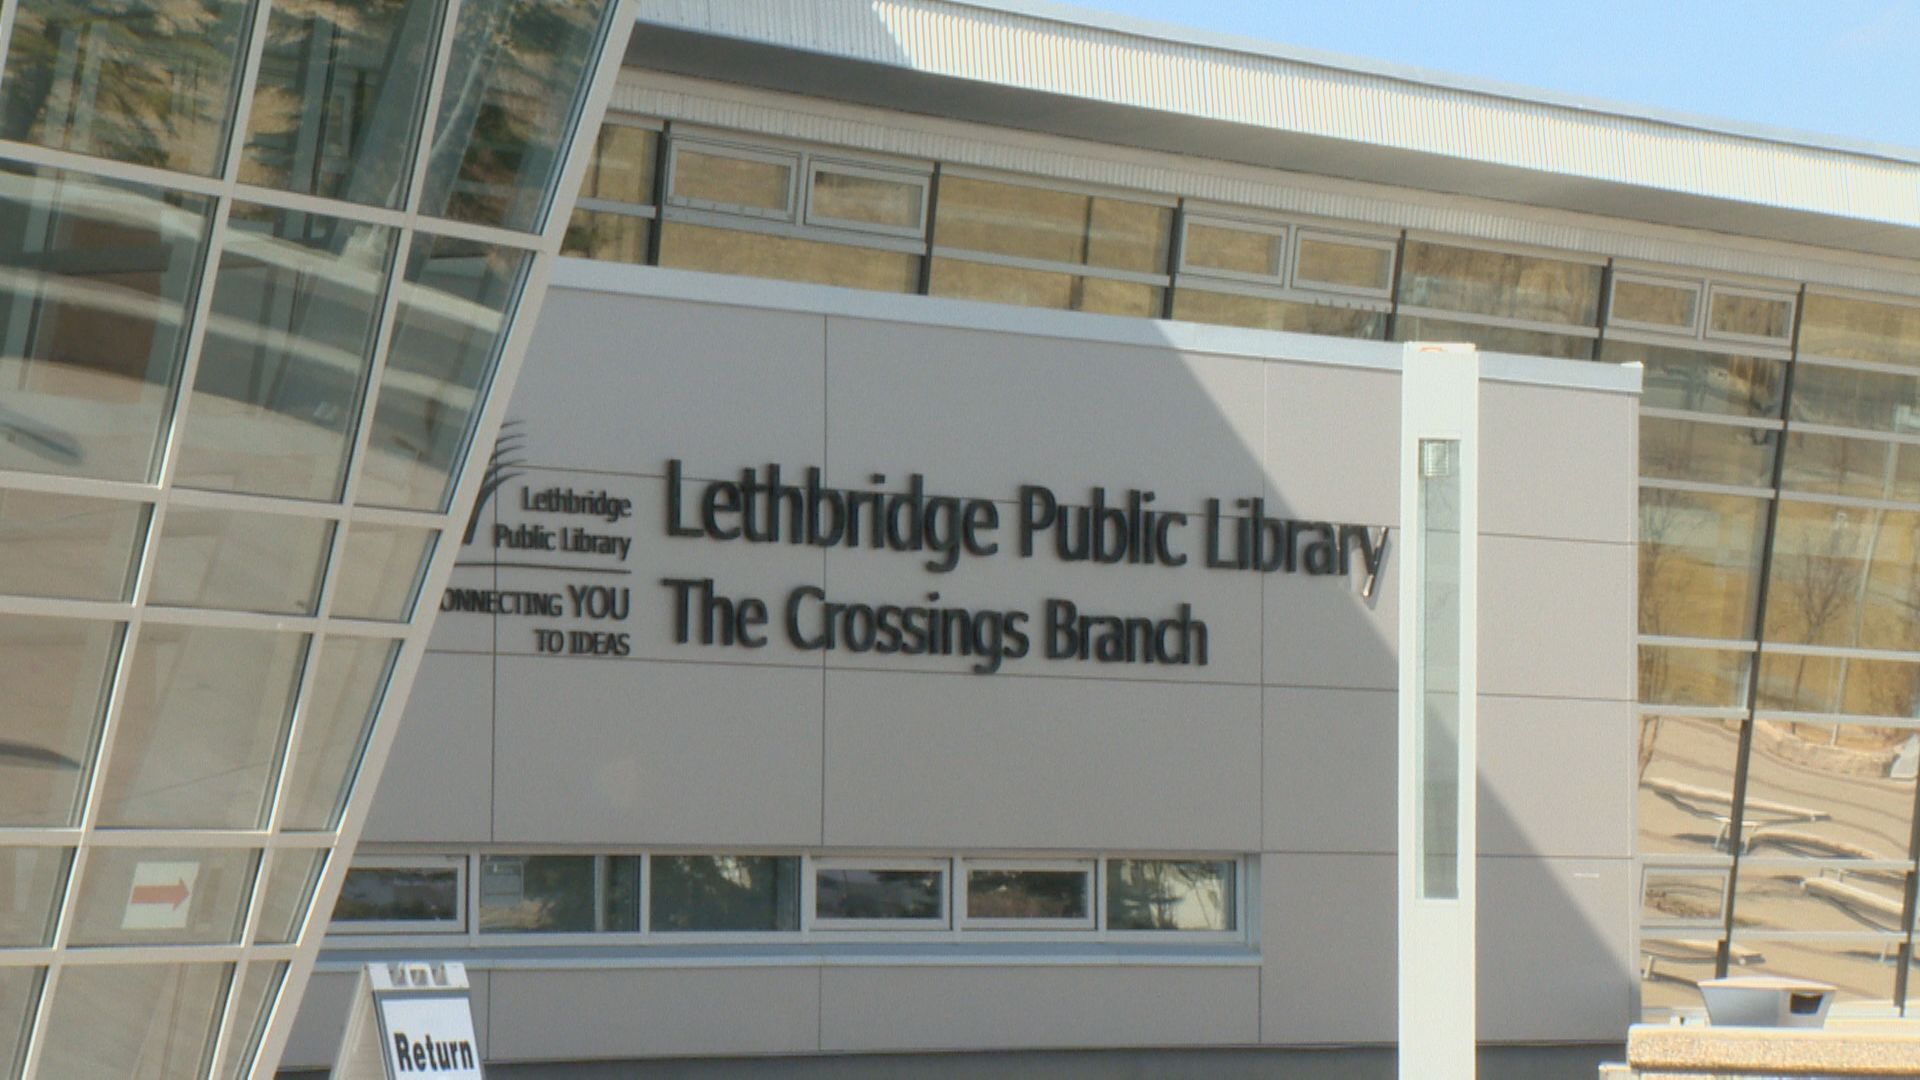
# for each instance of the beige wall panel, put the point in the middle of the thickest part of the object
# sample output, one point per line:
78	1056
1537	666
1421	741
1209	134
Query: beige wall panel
1327	948
962	761
436	786
982	413
653	1012
1333	444
1330	770
904	1008
1322	632
714	385
632	752
1557	462
1556	618
1556	777
1553	944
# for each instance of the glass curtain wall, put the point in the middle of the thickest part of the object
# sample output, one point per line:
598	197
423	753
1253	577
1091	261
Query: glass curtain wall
238	394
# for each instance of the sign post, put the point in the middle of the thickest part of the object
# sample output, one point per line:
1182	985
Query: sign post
409	1020
1439	560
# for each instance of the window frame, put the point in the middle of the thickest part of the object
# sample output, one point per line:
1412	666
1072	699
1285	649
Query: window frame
1304	233
1716	289
811	922
1279	229
921	181
657	936
462	883
1240	892
792	160
1696	286
966	920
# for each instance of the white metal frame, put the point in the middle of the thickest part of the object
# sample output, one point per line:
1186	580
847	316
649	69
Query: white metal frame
790	160
464	898
1305	235
812	920
1694	286
965	867
1716	289
920	181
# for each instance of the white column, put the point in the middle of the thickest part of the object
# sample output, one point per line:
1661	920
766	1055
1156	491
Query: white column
1439	552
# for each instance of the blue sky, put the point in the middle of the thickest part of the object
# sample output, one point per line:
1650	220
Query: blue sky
1849	68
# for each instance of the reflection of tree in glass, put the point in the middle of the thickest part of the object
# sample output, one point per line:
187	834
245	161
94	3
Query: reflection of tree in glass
516	72
142	81
702	892
1027	894
537	892
1168	895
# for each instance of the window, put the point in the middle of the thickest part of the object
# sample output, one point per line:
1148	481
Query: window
780	212
1683	896
613	220
1503	301
1749	315
1653	303
390	894
1028	895
730	893
549	894
1275	275
1169	894
880	894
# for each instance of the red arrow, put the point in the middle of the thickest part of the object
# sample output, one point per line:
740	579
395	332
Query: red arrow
172	895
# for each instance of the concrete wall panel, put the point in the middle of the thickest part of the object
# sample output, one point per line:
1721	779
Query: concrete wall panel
653	1012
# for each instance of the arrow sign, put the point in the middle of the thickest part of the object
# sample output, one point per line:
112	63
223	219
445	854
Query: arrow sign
161	896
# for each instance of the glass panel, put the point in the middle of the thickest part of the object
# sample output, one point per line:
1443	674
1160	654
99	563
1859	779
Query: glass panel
749	254
1242	251
88	1033
1686	783
1057	226
1826	684
1152	894
725	892
514	81
252	1004
142	81
595	234
452	314
847	893
1436	746
162	896
521	894
233	560
1683	897
1262	313
1861	468
1030	894
1860	330
1750	316
1830	791
1862	970
1699	557
750	183
1655	304
1817	896
866	199
620	893
19	994
53	679
1704	382
1506	286
623	165
1712	453
31	881
202	724
1042	288
1671	971
380	571
338	98
285	894
286	355
1324	261
349	676
1843	575
1868	400
1493	338
424	895
1679	676
68	546
93	315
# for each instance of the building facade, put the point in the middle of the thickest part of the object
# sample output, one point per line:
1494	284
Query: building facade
1012	780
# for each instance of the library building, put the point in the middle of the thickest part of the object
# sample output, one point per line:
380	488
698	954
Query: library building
867	541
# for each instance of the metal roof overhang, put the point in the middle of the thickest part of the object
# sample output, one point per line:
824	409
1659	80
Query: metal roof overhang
995	65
